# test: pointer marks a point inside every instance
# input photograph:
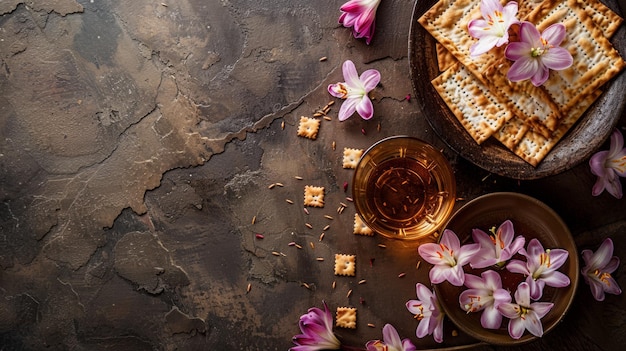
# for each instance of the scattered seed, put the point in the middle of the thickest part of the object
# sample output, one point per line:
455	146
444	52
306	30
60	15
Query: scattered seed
378	127
253	219
318	114
371	325
362	281
298	177
293	243
326	109
485	177
298	246
342	204
350	199
401	275
275	253
305	210
334	145
163	4
334	284
328	118
322	236
455	332
280	184
306	286
289	201
417	266
382	246
259	236
271	186
363	131
340	209
248	288
320	258
282	125
460	199
308	225
323	58
328	217
312	245
326	227
349	293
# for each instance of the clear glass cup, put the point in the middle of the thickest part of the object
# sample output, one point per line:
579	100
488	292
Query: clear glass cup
403	188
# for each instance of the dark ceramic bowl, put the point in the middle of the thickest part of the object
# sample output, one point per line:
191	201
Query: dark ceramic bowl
582	140
532	219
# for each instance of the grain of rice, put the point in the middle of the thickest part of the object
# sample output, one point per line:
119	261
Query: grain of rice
349	293
308	225
328	217
323	58
362	281
320	258
289	201
371	325
249	288
401	275
322	236
382	246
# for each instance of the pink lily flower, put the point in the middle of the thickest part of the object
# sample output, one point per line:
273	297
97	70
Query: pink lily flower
391	341
361	15
427	311
493	29
541	268
485	294
448	258
498	248
317	331
523	314
608	166
536	54
354	90
598	268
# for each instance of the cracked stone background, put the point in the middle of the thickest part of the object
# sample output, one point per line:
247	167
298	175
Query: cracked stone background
138	141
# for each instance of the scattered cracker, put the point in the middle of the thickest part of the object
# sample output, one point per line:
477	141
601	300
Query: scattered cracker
308	127
360	227
351	157
314	196
345	264
346	317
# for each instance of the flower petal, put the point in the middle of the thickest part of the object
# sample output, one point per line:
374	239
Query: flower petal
533	324
557	59
347	109
528	33
370	79
556	279
597	162
542	308
602	256
540	76
516	328
491	318
350	74
518	266
554	34
365	108
524	68
509	310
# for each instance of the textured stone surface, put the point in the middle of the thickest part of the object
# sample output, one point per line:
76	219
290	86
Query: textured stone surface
138	142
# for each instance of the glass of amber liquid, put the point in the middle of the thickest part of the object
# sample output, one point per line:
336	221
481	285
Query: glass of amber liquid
403	188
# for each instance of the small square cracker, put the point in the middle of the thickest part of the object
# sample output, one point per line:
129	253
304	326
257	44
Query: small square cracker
345	265
346	317
313	196
351	157
360	227
308	127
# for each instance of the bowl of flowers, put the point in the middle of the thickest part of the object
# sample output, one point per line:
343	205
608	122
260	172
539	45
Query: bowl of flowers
515	268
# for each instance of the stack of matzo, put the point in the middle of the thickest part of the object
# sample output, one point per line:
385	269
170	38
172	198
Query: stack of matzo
528	120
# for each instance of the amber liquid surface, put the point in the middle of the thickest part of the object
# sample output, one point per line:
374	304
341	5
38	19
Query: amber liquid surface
402	192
